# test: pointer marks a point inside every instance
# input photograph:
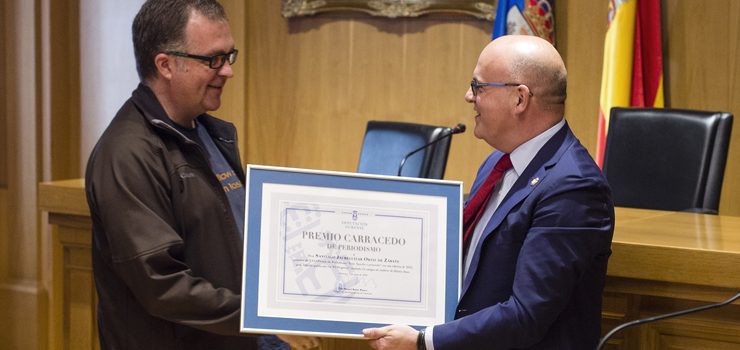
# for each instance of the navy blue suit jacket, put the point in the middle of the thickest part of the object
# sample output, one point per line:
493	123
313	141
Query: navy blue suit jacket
537	273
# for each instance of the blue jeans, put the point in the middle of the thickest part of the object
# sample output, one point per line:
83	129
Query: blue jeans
271	342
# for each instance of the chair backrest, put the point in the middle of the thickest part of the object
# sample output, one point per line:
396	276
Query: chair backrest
667	159
387	143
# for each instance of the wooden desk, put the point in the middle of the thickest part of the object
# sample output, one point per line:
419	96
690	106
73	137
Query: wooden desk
676	247
667	261
661	262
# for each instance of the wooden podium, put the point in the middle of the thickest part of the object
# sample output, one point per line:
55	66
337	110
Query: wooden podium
661	262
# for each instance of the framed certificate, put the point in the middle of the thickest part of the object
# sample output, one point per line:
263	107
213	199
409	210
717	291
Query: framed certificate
330	253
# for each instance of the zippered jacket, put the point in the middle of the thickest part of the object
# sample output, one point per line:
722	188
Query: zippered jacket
167	254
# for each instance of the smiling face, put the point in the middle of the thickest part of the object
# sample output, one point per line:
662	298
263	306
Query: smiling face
195	87
532	99
493	116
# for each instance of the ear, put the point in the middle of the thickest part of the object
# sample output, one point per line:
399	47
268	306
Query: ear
523	97
164	65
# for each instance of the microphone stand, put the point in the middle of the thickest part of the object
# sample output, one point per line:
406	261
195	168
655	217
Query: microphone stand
460	128
662	317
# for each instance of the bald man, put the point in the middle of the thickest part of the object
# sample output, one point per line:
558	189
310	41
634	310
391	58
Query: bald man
538	232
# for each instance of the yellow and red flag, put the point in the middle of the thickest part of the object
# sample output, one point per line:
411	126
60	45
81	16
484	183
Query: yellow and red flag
633	62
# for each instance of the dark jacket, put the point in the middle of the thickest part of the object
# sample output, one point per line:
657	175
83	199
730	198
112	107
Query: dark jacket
537	274
167	254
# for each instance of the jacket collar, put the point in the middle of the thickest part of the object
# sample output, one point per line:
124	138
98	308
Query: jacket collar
223	133
146	101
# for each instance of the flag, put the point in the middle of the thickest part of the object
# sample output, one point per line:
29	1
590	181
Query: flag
525	17
632	73
647	71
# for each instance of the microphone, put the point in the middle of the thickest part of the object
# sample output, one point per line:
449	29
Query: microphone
662	317
458	129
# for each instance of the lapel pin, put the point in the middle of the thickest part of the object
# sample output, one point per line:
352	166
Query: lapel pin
534	181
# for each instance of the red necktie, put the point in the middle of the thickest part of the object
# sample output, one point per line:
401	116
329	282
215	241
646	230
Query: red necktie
477	205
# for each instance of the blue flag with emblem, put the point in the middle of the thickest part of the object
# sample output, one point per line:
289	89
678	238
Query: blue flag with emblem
525	17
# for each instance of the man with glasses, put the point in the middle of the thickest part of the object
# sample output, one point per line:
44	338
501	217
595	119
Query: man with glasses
539	221
165	186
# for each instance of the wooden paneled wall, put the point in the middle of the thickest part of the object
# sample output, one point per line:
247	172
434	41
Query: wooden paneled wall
19	292
3	103
304	90
234	102
580	28
703	71
314	82
63	79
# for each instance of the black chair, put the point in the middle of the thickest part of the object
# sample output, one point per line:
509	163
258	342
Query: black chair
387	143
667	159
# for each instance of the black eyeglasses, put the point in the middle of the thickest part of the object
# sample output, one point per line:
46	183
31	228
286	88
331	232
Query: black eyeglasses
475	85
215	62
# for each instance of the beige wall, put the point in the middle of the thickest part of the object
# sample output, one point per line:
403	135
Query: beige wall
303	92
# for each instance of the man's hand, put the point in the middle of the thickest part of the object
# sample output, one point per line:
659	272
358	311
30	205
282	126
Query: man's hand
393	337
300	342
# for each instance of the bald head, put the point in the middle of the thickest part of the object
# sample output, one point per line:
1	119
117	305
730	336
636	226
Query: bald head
521	93
532	61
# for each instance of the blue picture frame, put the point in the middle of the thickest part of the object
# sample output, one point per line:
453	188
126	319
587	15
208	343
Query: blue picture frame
258	177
